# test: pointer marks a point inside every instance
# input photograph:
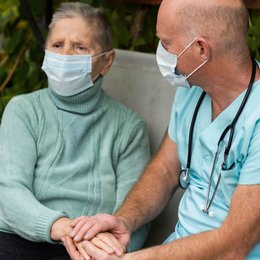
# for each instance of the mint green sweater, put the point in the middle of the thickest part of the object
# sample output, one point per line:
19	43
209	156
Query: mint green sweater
67	156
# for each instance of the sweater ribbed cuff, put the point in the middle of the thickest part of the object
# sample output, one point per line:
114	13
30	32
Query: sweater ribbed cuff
44	222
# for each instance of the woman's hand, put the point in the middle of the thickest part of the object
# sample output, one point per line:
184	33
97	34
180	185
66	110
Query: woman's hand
60	228
103	246
75	250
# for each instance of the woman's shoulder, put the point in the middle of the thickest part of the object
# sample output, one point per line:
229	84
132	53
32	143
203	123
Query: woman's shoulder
26	103
32	97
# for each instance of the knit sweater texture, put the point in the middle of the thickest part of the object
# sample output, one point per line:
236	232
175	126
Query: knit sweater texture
67	157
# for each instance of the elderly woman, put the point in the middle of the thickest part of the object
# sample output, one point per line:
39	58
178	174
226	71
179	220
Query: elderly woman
68	150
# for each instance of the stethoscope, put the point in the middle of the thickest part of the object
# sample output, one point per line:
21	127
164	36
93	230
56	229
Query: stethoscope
184	177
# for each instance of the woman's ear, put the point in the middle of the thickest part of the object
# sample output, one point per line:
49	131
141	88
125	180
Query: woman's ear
109	58
204	48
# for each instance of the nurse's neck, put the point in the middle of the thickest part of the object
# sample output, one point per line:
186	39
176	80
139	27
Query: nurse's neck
228	82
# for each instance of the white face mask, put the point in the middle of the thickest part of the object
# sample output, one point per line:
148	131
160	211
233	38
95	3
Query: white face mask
68	75
167	63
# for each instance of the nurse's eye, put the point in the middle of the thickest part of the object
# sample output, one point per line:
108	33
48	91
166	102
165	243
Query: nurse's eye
165	45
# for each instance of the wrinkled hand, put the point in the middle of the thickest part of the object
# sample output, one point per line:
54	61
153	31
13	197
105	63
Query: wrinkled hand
86	228
60	228
108	243
75	251
89	250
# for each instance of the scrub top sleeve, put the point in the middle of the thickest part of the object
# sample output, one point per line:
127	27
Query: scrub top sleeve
250	171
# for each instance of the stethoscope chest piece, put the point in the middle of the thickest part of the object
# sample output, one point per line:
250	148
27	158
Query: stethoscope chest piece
184	178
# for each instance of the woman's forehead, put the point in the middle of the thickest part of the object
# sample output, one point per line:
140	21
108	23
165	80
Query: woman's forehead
77	25
75	29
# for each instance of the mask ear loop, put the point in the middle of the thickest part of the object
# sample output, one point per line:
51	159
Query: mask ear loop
196	69
96	56
188	46
101	54
184	51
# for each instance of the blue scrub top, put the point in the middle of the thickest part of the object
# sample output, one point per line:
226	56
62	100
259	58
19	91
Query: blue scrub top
244	153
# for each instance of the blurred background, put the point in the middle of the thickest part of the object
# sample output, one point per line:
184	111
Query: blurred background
24	25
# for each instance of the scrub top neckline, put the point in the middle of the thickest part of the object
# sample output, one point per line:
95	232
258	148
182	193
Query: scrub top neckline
226	110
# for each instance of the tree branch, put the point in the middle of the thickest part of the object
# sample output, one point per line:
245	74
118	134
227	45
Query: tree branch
10	75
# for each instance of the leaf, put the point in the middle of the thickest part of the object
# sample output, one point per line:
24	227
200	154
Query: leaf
14	42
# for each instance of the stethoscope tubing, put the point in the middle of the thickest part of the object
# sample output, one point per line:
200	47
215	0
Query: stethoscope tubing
184	174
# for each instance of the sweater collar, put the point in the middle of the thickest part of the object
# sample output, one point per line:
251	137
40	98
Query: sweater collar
82	103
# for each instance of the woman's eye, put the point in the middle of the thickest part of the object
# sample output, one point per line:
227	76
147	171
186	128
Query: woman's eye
81	48
56	45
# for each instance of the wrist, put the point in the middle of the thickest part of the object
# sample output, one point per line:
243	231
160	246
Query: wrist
127	222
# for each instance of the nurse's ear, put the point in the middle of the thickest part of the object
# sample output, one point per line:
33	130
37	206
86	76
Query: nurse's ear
204	49
109	58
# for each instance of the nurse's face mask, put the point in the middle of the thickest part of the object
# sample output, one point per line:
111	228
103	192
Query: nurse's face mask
167	63
68	75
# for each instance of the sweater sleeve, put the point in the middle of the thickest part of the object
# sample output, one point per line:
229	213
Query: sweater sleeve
20	212
135	153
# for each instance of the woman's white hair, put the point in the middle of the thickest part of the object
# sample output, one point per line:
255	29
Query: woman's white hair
92	16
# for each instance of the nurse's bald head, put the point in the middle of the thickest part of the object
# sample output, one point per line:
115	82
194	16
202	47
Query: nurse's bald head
223	22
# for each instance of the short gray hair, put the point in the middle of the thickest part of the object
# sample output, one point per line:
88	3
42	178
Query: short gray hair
227	25
92	16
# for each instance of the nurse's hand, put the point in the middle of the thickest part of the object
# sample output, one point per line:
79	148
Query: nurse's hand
86	228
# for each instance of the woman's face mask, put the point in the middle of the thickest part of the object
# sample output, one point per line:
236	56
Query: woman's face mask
167	63
68	75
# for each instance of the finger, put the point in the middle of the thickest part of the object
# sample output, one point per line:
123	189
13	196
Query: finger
82	251
93	251
112	242
92	232
105	222
79	226
76	229
71	248
115	240
82	231
102	245
76	220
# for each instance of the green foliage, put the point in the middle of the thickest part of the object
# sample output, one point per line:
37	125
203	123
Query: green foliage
254	34
21	56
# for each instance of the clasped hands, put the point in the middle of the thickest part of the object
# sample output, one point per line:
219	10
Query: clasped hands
89	239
